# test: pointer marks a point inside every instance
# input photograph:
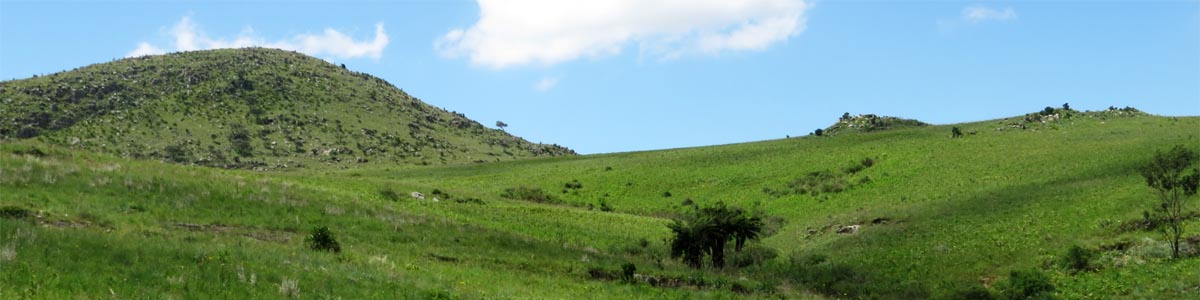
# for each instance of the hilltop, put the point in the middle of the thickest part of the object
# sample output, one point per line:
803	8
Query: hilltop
247	108
868	123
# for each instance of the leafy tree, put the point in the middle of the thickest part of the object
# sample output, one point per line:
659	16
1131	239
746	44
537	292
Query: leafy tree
955	132
1066	106
707	230
501	124
819	132
1169	176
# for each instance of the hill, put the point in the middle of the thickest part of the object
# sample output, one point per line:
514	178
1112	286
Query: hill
869	123
246	108
930	216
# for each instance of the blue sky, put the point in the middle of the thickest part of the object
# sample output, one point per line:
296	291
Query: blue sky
625	75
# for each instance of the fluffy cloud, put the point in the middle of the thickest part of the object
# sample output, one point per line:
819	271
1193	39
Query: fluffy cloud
976	14
546	32
330	43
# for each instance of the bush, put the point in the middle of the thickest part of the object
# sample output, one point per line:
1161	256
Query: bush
14	212
529	194
627	271
1027	284
389	194
1079	259
322	239
972	292
470	201
604	206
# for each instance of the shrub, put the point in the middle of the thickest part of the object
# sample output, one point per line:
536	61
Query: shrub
955	132
322	239
1027	284
627	271
1048	111
529	194
604	206
753	255
470	201
972	292
389	194
14	212
818	132
667	194
240	138
573	185
1079	259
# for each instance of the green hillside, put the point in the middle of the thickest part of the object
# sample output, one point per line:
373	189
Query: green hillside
246	108
936	217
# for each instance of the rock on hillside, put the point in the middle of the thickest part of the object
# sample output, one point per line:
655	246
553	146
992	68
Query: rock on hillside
247	108
869	123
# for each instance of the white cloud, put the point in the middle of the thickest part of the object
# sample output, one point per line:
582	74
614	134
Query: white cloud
976	14
144	49
330	43
545	84
545	32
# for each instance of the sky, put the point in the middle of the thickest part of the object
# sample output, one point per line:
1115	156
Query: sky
629	75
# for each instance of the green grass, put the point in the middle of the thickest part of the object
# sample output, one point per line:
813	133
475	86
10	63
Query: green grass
952	213
247	108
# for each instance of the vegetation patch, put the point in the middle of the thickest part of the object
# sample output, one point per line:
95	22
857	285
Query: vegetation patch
826	181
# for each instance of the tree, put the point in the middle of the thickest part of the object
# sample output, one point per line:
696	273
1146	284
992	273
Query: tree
501	124
818	132
707	230
1066	106
955	132
1168	175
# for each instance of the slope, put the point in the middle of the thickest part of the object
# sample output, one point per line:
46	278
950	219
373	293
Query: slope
246	108
936	216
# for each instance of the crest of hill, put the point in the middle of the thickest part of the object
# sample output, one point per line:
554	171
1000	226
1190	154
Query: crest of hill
247	108
869	123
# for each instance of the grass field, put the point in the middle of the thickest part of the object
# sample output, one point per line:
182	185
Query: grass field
936	215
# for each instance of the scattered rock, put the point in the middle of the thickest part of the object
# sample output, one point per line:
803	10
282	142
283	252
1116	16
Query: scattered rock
852	229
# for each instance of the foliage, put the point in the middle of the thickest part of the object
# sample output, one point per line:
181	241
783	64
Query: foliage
627	272
389	194
706	231
955	132
1079	259
14	212
1174	176
530	194
1027	285
321	239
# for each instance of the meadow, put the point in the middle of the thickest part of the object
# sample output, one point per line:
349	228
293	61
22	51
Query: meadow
936	216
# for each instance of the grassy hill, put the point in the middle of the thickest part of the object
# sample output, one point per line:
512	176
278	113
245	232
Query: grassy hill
933	217
246	108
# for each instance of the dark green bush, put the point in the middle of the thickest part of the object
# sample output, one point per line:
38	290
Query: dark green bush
389	194
1079	259
530	194
627	271
1027	285
604	206
470	201
972	292
322	239
14	212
